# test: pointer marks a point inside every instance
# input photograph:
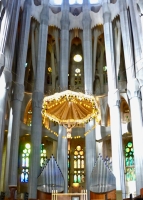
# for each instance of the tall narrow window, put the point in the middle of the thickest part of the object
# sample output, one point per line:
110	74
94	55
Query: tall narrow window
26	159
129	162
78	165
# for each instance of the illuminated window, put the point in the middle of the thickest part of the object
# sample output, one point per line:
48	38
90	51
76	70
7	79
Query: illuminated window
25	161
77	70
78	165
129	162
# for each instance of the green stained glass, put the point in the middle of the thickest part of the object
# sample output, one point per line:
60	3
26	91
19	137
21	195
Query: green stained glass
127	149
130	144
75	178
129	161
27	146
29	150
25	151
79	179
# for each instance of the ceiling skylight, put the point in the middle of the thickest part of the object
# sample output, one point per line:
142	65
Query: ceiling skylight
71	2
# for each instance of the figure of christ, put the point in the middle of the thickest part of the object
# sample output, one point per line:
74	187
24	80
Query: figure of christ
69	127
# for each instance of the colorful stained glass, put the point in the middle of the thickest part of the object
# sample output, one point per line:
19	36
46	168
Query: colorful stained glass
79	163
79	179
82	163
75	178
75	163
129	162
25	161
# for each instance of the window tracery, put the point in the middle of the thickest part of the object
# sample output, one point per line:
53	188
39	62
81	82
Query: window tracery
78	165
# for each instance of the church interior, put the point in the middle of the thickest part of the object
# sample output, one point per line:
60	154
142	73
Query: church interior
71	90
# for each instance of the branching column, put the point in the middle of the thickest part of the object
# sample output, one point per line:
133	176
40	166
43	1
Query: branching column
19	91
4	31
133	94
88	82
138	47
64	67
37	99
114	102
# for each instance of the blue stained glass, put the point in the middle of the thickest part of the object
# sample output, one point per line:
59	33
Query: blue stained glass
26	177
25	161
22	177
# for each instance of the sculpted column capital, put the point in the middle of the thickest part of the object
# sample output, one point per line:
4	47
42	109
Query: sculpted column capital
37	99
114	98
18	92
133	89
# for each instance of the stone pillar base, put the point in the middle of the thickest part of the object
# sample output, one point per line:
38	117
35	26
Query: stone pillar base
119	195
12	189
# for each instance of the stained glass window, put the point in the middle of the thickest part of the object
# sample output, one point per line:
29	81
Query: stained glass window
25	161
129	162
78	165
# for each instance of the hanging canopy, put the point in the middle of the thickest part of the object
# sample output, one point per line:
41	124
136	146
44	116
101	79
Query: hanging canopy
69	106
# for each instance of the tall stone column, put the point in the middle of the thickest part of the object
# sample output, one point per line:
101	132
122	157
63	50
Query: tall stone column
8	153
6	77
133	94
96	33
37	99
4	31
64	67
62	155
114	102
64	46
88	86
138	47
19	92
118	45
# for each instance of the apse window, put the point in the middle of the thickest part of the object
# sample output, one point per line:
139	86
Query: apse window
129	162
26	159
78	165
